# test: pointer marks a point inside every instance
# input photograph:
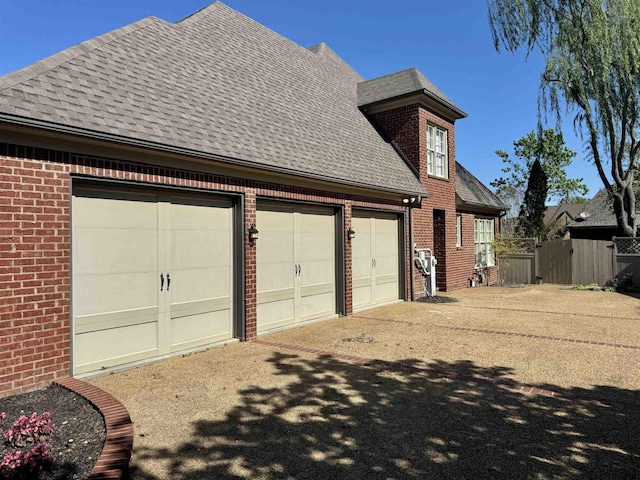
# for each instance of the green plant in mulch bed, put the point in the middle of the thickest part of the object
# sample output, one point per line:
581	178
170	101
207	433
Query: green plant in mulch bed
30	433
623	283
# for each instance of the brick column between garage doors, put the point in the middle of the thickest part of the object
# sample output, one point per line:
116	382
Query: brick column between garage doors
250	255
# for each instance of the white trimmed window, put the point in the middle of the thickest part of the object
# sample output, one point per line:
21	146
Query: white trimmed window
458	230
483	230
437	163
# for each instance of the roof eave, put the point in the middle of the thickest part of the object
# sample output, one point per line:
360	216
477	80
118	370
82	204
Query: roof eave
460	114
451	110
161	147
481	205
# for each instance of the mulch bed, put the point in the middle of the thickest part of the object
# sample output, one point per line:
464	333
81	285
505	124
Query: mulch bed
77	439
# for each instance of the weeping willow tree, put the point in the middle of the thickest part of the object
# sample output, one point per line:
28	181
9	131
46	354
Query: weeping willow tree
592	54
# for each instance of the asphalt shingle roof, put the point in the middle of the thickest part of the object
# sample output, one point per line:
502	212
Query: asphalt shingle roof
472	191
600	212
399	84
553	212
215	83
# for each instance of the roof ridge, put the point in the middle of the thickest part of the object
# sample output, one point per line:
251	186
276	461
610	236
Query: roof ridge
27	73
218	5
200	13
390	74
416	79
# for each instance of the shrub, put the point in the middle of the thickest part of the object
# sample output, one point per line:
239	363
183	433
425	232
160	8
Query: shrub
619	283
31	431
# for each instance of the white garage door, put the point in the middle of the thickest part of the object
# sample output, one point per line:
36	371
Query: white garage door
296	265
152	275
375	254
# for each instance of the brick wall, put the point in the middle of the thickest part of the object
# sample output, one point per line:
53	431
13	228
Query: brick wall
407	127
35	258
34	273
462	262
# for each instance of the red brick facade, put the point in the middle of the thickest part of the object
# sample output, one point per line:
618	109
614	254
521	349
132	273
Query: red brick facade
434	223
35	261
35	240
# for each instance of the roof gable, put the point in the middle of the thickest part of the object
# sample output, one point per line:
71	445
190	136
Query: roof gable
215	83
399	84
554	212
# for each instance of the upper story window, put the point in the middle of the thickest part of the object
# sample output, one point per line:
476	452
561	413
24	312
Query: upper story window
437	163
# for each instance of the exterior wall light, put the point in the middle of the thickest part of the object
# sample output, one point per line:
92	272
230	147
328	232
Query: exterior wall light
351	233
408	200
253	233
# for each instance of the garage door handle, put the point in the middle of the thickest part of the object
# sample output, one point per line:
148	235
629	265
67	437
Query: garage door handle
168	281
161	282
299	269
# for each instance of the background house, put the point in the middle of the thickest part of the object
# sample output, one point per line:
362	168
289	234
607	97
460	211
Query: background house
557	217
169	186
597	221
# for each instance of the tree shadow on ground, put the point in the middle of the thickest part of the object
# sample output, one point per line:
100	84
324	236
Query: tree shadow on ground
394	420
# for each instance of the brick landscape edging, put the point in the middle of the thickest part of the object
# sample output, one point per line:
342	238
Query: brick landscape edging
113	462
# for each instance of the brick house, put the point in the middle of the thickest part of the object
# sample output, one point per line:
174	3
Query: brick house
138	168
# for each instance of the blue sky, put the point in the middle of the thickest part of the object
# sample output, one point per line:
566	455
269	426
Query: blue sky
449	42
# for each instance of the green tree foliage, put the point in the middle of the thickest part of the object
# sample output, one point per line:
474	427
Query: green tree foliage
554	156
531	218
574	199
592	54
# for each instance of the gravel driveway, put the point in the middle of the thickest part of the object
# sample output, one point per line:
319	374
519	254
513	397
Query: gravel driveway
538	382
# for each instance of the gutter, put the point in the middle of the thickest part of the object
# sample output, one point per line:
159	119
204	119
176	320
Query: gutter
162	147
484	205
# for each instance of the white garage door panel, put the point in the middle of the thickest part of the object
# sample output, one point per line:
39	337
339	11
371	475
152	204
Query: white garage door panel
105	321
361	262
375	256
122	242
115	257
200	268
111	209
200	329
386	260
275	274
316	258
292	236
275	314
109	348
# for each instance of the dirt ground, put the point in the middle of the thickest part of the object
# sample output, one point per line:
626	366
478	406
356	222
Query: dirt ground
435	394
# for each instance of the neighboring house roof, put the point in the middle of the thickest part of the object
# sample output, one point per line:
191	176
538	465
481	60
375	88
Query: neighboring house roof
400	84
598	212
215	85
472	191
554	212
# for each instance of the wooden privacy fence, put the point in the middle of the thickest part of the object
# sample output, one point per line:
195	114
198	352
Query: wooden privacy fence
520	265
628	258
571	262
